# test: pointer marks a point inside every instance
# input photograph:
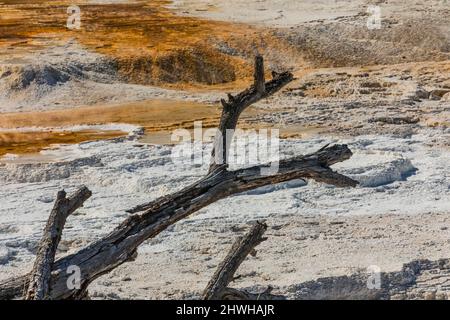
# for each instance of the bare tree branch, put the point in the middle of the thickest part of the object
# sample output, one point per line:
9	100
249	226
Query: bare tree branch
260	82
40	275
235	105
227	268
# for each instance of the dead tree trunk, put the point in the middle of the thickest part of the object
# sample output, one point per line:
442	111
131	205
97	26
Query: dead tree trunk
40	275
121	244
233	108
217	288
241	248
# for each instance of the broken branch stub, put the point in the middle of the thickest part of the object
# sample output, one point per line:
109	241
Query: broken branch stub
241	248
39	284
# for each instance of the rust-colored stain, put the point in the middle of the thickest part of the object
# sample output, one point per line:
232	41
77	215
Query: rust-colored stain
156	116
153	115
149	43
33	142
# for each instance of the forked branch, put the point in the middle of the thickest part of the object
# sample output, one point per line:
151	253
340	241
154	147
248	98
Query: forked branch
233	108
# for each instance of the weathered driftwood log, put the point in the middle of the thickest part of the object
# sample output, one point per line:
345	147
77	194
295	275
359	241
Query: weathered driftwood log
217	288
121	244
40	275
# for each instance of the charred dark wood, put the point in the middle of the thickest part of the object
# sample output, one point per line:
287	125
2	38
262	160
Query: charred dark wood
218	287
120	245
233	108
38	288
224	274
260	82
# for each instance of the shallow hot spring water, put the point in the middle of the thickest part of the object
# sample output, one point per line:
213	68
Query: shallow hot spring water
24	135
32	132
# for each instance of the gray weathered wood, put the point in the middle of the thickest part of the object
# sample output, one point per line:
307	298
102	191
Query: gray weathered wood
242	247
151	218
233	108
260	82
38	287
120	245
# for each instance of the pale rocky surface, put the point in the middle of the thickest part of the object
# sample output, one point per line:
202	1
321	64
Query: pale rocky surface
398	214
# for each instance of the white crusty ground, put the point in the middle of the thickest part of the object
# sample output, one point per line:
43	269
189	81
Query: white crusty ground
288	13
400	178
